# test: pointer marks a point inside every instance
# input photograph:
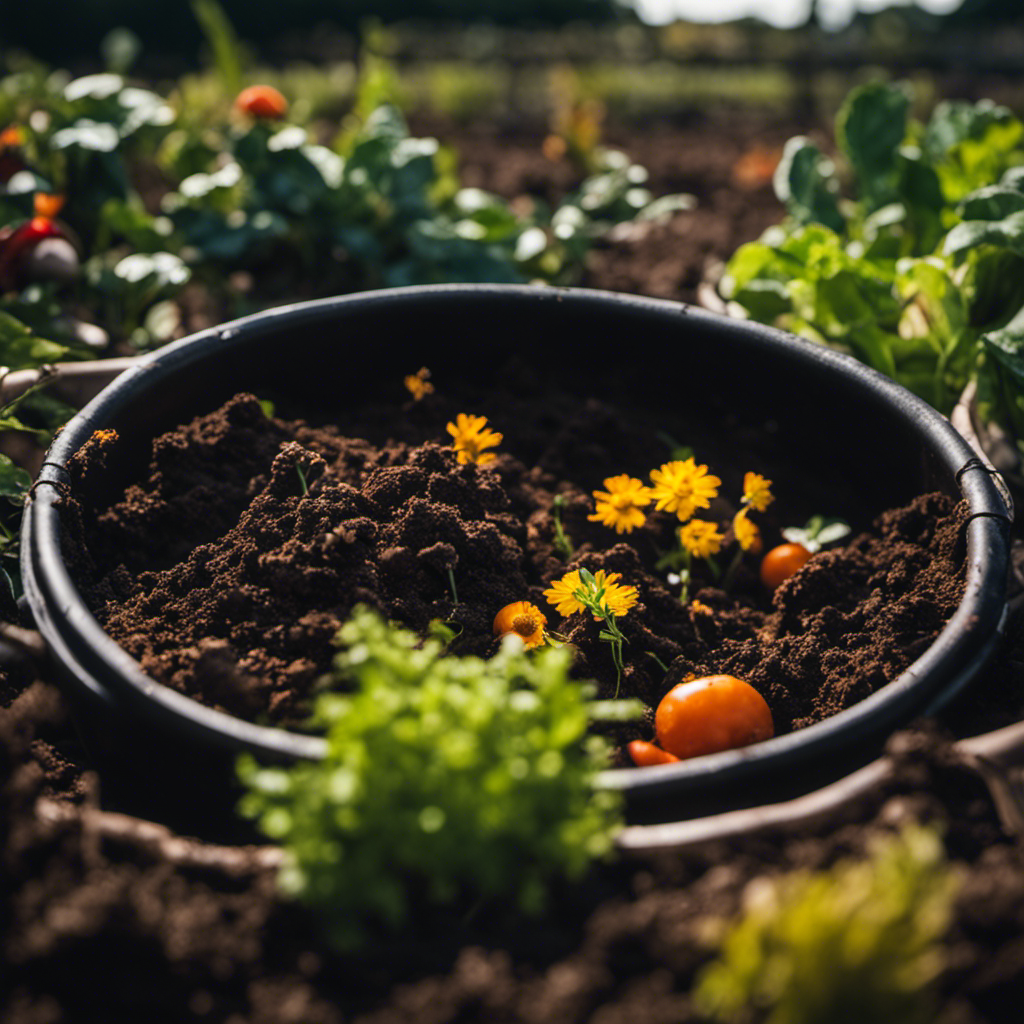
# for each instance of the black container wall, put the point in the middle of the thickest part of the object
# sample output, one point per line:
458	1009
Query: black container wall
855	443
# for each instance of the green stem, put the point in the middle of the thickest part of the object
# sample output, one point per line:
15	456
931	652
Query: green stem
684	594
562	543
451	582
302	478
661	664
730	573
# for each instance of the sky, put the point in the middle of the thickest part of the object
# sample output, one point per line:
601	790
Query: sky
781	13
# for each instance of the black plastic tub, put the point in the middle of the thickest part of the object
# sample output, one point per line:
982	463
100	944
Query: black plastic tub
865	444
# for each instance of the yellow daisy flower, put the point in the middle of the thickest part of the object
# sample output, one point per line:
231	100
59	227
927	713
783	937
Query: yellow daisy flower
683	487
701	538
617	598
471	436
748	536
756	492
619	506
418	383
570	594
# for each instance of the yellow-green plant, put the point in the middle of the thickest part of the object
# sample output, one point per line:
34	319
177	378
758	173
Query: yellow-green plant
859	943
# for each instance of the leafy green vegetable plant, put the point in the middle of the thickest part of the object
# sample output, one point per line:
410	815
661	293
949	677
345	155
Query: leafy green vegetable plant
920	271
447	779
861	942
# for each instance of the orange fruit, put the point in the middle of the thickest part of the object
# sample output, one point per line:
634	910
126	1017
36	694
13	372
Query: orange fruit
782	562
707	715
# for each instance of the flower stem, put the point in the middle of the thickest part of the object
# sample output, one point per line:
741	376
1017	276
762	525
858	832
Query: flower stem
684	594
451	583
562	543
730	573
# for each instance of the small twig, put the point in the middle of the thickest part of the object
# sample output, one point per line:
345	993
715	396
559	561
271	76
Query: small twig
161	842
27	641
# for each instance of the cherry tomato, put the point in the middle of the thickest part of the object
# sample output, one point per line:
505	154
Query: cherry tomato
706	715
782	562
645	754
262	101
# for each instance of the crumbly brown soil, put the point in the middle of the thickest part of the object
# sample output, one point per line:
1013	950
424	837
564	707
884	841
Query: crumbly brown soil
230	586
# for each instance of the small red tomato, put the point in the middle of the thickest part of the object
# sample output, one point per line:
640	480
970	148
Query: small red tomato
262	101
782	562
645	754
707	715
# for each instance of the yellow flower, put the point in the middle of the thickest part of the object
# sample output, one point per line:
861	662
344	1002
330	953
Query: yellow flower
572	594
701	538
619	506
418	383
756	491
683	487
748	536
471	436
526	620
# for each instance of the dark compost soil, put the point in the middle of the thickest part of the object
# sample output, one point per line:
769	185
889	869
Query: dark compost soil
227	581
108	919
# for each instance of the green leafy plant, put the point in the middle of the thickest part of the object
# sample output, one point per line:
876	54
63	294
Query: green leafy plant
861	942
919	271
447	779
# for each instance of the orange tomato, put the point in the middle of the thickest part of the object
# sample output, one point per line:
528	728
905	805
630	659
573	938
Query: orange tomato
262	101
782	562
707	715
645	754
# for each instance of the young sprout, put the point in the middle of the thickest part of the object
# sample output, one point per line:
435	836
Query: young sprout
683	487
524	620
604	597
818	531
418	383
563	545
619	507
471	436
699	539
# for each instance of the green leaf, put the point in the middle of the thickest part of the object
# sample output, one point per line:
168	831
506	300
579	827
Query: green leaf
1002	375
20	349
870	128
1008	233
993	202
804	180
954	121
14	481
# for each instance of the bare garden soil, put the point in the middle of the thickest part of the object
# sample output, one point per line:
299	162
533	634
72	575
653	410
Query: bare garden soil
108	918
226	580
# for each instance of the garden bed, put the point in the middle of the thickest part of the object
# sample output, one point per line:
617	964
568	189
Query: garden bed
105	918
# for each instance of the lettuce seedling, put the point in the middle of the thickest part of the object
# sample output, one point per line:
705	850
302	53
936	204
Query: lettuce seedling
447	780
861	942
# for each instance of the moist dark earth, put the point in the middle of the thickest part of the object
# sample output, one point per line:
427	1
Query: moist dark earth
305	523
106	918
